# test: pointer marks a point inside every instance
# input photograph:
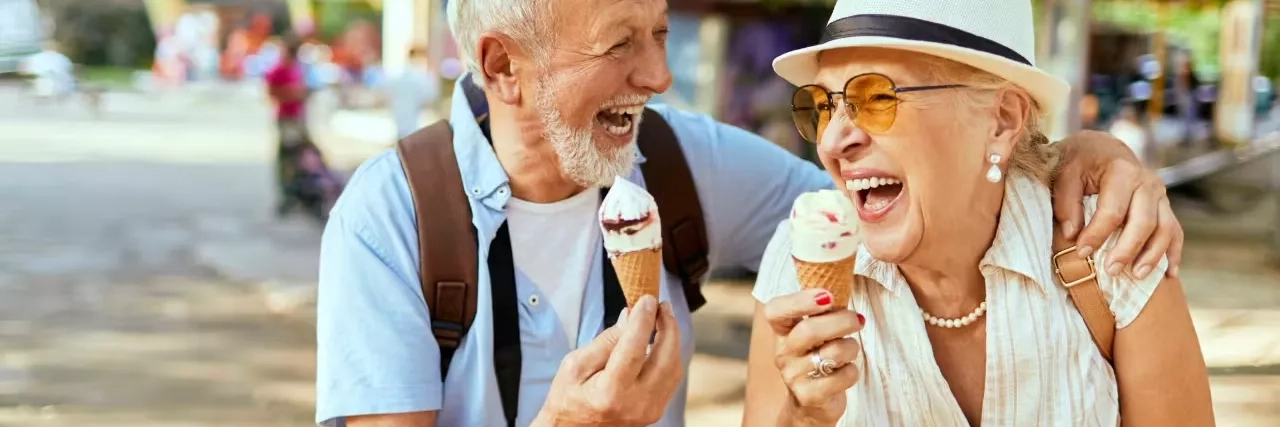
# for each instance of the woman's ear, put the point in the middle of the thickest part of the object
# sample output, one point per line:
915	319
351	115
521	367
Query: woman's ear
1011	110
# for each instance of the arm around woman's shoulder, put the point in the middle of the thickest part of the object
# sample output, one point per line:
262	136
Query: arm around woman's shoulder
1159	367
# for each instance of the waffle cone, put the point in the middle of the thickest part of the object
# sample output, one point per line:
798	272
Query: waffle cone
639	273
836	277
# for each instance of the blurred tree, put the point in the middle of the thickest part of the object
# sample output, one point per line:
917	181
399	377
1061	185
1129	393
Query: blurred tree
102	32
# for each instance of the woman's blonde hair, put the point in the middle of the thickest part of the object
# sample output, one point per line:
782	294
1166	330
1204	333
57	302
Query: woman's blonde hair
1033	154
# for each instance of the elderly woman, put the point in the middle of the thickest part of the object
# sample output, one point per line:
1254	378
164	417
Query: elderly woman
930	113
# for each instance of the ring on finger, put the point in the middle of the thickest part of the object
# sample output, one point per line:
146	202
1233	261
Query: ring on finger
822	367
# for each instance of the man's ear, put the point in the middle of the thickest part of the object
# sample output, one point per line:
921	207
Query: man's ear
500	57
1011	110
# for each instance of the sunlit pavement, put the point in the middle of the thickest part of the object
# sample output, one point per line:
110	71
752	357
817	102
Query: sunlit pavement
110	315
144	281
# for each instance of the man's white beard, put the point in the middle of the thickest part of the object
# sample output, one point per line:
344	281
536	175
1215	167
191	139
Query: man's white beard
580	159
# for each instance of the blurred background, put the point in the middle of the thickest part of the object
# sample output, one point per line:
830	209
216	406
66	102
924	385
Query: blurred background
149	275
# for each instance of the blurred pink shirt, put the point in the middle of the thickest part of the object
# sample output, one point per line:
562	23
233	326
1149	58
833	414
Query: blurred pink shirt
287	75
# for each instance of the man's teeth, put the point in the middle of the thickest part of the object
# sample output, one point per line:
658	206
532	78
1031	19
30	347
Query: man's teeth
632	110
868	183
628	115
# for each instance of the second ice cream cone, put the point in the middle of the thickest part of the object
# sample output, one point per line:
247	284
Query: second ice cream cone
836	277
639	273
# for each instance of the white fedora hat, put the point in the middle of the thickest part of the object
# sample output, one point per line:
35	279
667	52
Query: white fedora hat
996	36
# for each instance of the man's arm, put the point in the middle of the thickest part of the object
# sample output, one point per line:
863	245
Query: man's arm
747	185
377	362
414	419
1131	198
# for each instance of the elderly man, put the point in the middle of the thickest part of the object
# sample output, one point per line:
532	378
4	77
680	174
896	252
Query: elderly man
547	116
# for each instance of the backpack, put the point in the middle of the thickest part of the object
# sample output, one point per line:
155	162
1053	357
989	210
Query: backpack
447	242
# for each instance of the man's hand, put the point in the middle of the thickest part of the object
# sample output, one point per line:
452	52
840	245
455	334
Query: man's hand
1129	195
612	381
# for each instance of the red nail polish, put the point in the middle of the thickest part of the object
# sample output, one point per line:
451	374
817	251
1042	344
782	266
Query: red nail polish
861	320
823	298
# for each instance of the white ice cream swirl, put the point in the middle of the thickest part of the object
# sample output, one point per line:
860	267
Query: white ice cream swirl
823	227
629	219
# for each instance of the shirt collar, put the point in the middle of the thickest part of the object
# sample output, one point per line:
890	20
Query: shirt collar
482	175
1023	243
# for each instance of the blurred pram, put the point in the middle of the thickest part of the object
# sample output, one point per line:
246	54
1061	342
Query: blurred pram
305	180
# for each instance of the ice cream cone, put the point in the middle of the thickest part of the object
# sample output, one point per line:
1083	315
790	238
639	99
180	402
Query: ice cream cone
639	273
836	277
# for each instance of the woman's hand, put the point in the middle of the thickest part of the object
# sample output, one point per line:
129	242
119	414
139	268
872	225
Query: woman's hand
807	323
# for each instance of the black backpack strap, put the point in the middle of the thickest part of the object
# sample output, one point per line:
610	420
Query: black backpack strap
669	180
447	265
506	323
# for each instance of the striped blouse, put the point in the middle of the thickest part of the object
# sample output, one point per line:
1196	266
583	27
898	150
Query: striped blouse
1042	366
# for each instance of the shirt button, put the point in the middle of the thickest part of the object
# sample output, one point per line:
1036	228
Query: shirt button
475	191
502	191
533	300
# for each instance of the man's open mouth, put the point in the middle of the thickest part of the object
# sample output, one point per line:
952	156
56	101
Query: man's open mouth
620	121
875	194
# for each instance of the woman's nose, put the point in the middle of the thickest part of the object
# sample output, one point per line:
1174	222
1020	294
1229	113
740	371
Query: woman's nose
841	139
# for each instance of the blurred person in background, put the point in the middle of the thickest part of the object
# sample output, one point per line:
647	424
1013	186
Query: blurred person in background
287	86
413	90
54	73
546	117
1127	127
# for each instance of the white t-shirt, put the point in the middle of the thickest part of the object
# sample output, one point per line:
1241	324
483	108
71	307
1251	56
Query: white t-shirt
555	245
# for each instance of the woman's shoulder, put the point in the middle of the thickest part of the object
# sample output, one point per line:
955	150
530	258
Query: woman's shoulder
777	275
1126	293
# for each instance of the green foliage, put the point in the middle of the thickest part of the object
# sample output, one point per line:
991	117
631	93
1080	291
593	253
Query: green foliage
1195	29
1269	62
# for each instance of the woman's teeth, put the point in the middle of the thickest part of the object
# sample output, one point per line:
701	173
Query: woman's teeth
869	183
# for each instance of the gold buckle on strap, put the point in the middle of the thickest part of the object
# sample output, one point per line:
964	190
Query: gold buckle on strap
1057	269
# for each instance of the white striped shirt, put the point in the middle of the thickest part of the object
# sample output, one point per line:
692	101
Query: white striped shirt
1042	367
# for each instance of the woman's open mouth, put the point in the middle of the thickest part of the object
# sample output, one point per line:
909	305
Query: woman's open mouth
875	196
620	121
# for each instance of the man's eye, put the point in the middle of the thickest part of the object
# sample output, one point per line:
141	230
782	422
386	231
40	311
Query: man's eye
621	45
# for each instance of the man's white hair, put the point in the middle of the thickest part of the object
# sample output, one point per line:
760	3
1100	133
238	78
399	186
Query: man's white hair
526	21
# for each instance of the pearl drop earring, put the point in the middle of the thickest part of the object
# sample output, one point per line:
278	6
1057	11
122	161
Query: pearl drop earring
994	174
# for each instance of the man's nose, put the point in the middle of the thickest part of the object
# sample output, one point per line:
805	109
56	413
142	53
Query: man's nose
842	139
652	73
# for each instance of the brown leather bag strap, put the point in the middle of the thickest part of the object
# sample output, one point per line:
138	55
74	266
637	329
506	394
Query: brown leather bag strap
1081	280
448	257
669	180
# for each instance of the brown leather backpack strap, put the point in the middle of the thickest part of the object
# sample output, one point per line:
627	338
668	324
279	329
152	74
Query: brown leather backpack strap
1081	280
669	180
446	239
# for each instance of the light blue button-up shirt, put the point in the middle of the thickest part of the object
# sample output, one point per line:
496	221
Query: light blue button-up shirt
376	354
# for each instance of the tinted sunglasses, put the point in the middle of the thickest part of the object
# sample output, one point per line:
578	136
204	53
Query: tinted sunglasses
872	100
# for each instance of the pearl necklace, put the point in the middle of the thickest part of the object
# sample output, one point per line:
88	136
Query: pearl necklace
958	322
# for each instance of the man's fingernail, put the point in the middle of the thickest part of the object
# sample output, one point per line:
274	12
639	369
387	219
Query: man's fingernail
823	298
861	320
1069	229
1114	268
1143	271
1084	251
1173	271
